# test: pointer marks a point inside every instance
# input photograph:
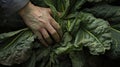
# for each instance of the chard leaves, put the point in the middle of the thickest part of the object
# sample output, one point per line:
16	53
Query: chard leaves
114	52
80	29
96	34
106	11
18	48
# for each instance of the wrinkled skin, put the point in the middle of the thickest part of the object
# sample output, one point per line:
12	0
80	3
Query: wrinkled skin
39	20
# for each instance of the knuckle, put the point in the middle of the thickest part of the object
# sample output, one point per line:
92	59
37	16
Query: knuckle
50	18
49	10
53	32
59	27
47	37
39	29
57	24
36	28
43	23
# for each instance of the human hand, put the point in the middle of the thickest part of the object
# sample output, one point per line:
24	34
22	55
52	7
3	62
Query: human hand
39	20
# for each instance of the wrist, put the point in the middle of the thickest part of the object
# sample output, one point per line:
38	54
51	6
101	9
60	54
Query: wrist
26	9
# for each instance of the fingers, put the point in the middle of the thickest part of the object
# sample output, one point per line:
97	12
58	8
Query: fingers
40	37
49	10
50	29
47	31
46	36
56	27
53	32
39	20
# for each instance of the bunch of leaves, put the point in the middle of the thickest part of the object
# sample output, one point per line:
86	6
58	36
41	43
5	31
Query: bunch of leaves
110	13
82	27
15	46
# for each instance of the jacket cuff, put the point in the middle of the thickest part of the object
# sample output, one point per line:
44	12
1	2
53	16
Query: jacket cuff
14	6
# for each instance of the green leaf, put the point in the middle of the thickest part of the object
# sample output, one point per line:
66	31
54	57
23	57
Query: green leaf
80	30
78	59
17	49
31	62
114	52
95	34
105	11
10	34
50	3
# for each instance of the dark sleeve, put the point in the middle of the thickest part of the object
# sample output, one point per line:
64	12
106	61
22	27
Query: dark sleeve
12	6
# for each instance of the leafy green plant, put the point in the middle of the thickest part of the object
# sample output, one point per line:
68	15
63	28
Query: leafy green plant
83	26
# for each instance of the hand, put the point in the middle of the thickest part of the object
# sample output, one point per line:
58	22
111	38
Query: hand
39	20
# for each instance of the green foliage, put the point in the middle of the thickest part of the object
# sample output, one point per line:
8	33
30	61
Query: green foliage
16	46
114	53
105	11
89	27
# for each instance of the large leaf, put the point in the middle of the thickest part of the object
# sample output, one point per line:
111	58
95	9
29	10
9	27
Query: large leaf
80	30
10	34
95	34
105	11
18	48
114	53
